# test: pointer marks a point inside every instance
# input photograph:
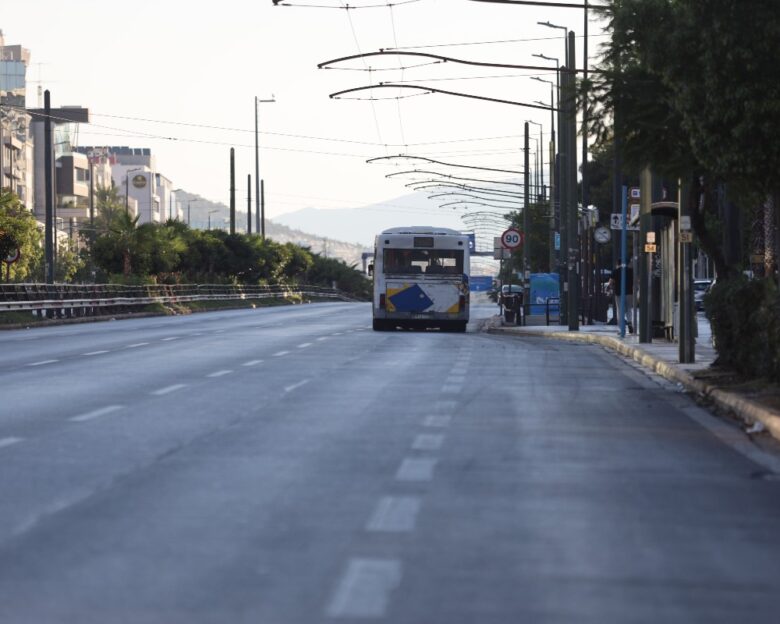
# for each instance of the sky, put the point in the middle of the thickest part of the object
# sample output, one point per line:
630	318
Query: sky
180	77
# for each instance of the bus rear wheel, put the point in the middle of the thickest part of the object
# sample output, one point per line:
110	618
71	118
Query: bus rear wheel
382	325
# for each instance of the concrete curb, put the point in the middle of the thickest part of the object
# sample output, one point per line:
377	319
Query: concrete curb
747	410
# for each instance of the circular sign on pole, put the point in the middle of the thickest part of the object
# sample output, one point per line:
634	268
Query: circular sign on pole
511	239
13	256
139	181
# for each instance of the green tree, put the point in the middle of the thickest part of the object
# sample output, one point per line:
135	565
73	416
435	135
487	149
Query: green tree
18	230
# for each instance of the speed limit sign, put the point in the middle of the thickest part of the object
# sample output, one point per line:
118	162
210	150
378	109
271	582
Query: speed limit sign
512	239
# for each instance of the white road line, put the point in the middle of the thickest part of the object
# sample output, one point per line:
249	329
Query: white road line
136	345
395	514
412	469
41	363
169	339
337	334
451	389
297	385
437	421
220	373
94	353
252	363
280	353
446	406
196	334
322	338
428	442
304	345
365	588
459	370
169	389
456	379
9	441
96	413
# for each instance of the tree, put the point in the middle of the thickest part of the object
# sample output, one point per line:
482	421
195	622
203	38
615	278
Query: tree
18	230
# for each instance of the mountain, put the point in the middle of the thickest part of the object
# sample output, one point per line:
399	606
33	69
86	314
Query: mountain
203	211
361	225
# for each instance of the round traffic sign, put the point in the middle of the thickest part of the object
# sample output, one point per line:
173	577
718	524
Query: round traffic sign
512	238
13	256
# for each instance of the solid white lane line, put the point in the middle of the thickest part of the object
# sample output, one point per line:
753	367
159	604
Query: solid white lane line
252	363
297	385
96	413
304	345
280	353
220	373
9	441
94	353
137	344
169	339
416	469
428	442
365	588
41	363
169	389
395	514
437	421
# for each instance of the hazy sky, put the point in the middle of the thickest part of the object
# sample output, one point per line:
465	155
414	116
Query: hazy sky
179	76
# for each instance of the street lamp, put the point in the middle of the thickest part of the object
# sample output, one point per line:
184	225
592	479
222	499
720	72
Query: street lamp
260	225
211	212
564	28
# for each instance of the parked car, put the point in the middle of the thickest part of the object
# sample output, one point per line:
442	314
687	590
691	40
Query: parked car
700	288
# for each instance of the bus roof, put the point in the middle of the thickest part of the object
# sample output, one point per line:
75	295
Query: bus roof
423	229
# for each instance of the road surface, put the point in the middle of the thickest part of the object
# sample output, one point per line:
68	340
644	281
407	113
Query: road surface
290	466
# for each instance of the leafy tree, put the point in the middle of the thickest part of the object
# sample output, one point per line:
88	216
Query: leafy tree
18	230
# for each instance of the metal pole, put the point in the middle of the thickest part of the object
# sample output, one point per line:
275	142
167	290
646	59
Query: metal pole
232	190
572	216
687	314
49	188
262	209
257	173
91	195
526	223
189	205
646	267
127	192
249	203
623	246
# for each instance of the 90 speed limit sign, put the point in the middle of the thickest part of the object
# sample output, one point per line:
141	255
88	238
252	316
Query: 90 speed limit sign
512	239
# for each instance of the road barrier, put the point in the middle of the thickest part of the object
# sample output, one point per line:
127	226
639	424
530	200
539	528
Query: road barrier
58	300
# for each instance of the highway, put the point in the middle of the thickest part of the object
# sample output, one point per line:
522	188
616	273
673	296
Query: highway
290	466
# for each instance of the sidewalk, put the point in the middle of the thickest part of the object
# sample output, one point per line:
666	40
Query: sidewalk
661	357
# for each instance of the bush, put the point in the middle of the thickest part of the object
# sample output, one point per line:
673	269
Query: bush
745	319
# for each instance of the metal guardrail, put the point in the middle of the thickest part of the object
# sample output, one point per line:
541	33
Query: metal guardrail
87	298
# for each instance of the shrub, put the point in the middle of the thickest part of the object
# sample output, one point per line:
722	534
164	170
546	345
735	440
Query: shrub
745	319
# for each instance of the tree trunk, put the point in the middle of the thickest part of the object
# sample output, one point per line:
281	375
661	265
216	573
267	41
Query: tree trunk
127	266
702	202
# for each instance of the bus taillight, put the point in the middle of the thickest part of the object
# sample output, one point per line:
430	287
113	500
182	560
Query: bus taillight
382	301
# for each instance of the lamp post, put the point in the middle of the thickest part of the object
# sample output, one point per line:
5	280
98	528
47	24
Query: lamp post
211	212
260	224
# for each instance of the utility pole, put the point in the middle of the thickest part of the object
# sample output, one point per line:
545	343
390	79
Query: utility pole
48	174
645	267
686	338
526	224
571	195
262	209
232	190
257	172
92	195
249	203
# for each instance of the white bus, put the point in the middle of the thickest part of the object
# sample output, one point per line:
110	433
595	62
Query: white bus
421	279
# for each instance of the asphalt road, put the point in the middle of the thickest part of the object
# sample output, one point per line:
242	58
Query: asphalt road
290	466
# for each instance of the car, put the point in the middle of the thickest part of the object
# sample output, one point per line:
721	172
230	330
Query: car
700	288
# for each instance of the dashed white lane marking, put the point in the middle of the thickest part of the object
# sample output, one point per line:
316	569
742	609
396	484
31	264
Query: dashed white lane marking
220	373
42	362
136	345
321	338
395	514
304	345
414	469
428	442
364	590
169	339
459	370
9	441
337	334
252	363
169	389
446	406
280	353
297	385
96	413
94	353
437	420
196	334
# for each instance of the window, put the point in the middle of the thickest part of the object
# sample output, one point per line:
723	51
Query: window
423	261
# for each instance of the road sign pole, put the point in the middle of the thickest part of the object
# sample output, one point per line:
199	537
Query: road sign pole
526	224
623	245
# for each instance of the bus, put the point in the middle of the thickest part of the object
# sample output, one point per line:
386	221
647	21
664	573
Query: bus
421	279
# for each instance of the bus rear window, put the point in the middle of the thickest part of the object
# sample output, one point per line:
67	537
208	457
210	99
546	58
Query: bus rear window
423	261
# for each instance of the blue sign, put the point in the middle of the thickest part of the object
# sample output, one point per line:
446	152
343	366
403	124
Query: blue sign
480	283
557	241
472	242
544	286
